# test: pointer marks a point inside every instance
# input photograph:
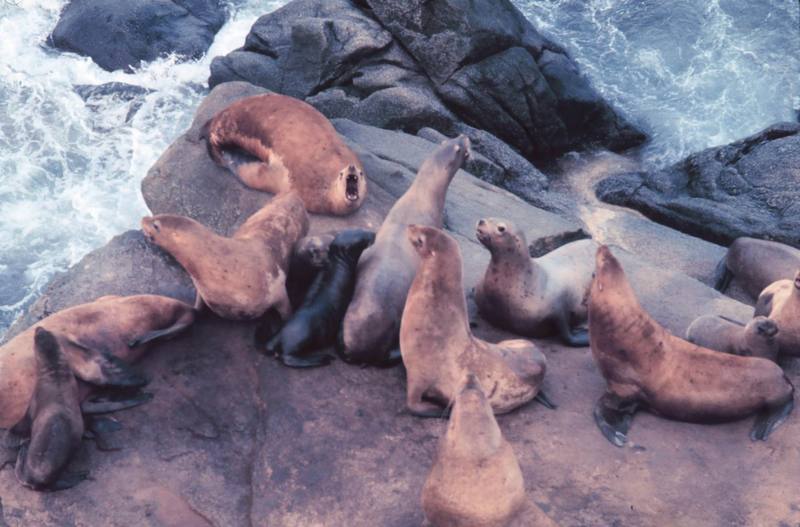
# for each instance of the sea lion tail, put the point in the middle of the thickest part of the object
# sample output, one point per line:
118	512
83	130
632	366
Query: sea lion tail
213	148
722	275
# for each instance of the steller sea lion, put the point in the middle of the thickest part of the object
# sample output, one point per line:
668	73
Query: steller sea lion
756	264
316	323
475	480
295	148
646	367
438	347
241	277
756	339
780	301
385	271
534	297
99	340
53	420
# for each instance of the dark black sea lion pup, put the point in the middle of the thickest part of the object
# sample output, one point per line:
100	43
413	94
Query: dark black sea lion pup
317	321
53	421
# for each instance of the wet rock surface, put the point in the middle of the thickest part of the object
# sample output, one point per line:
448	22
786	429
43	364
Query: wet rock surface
748	188
119	35
234	438
478	68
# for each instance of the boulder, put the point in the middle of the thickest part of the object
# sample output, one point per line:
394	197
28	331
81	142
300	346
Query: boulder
234	438
457	66
119	35
748	188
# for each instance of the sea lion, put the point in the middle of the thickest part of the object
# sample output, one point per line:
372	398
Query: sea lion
475	480
385	271
438	347
756	264
309	258
646	367
534	297
756	339
316	323
295	148
53	420
99	340
241	277
780	301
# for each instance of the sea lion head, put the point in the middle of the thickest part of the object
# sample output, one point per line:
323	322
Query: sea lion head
165	229
452	153
350	188
608	273
472	427
48	351
497	234
430	241
351	243
313	250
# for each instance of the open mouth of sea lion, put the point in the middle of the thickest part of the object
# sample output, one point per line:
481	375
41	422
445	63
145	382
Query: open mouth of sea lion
351	187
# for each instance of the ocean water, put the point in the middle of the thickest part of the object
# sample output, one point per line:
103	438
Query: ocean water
694	73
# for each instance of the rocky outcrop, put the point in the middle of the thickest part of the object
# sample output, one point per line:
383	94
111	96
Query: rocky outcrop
233	438
478	68
119	35
748	188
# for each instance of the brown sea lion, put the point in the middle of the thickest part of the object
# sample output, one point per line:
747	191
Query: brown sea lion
99	340
646	367
780	301
756	339
438	347
241	277
385	271
475	480
53	422
534	297
756	264
295	148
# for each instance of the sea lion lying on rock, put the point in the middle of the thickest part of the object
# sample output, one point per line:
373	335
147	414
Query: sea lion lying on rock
475	480
241	277
534	297
385	271
646	367
316	323
52	428
99	340
756	339
780	301
294	147
438	347
756	264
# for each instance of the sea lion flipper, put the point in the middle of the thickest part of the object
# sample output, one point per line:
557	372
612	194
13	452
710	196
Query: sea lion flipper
114	402
722	276
613	416
545	401
170	331
769	419
268	329
101	429
306	361
763	305
67	480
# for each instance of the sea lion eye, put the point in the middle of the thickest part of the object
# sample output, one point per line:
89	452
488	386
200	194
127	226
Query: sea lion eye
501	228
157	225
458	149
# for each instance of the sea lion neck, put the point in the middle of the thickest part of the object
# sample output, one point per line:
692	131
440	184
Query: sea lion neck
440	277
432	181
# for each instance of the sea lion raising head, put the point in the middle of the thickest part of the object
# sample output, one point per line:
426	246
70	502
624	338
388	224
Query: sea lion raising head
780	301
647	367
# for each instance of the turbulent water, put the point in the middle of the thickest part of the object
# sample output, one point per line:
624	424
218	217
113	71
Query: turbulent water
693	73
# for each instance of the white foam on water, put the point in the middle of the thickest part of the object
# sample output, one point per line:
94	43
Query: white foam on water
70	170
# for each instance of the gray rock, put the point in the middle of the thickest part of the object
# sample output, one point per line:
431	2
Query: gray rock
747	188
120	35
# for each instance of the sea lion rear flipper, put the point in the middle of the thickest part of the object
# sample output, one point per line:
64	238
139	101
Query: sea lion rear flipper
613	416
722	276
576	338
114	401
101	429
179	326
545	401
769	419
101	368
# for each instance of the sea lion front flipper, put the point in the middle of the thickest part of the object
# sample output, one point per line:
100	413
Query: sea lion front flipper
545	401
306	361
763	305
102	368
575	338
613	416
100	430
392	358
769	419
67	480
114	401
722	276
179	326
